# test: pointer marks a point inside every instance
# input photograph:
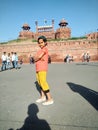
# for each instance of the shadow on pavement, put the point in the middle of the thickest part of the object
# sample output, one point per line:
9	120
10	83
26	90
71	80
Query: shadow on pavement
38	87
32	122
90	95
9	69
89	64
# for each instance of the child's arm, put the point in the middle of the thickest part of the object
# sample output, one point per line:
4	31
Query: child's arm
40	57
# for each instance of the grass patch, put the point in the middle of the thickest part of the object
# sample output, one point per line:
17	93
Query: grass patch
34	40
15	40
76	38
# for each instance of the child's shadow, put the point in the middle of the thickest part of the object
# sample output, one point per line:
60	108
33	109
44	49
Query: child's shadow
38	87
32	122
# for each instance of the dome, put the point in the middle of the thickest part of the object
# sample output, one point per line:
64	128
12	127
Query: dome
63	22
26	26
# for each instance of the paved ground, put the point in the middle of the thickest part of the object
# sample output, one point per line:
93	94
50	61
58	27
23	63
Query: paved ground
74	88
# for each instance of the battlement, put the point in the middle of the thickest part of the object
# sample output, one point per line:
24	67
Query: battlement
57	49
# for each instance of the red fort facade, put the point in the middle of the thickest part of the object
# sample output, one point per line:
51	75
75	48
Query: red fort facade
62	32
58	49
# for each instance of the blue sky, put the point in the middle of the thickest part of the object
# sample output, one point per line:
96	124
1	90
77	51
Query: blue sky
81	15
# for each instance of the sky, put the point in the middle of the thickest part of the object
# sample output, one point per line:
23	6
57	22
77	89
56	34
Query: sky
81	15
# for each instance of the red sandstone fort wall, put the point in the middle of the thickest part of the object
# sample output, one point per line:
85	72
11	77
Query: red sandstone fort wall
57	50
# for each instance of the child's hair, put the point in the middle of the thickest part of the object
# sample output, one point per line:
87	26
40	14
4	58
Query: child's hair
42	37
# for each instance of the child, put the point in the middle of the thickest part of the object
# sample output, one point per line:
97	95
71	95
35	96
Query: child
41	63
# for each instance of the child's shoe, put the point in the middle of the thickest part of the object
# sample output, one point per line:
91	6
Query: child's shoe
41	100
48	102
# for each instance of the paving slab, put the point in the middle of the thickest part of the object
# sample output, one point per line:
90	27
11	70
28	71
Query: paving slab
74	88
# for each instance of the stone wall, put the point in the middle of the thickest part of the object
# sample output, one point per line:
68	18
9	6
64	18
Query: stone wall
92	36
57	50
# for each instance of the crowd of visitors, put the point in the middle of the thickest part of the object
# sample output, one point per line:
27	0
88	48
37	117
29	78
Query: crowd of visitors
86	57
68	59
9	61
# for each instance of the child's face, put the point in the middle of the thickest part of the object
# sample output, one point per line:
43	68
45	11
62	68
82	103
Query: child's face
41	43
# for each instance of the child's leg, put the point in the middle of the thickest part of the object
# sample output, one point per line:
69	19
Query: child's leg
44	84
45	89
38	80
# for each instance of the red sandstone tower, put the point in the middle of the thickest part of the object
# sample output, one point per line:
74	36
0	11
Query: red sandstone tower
26	33
63	32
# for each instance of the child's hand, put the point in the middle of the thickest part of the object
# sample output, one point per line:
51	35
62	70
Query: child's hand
42	59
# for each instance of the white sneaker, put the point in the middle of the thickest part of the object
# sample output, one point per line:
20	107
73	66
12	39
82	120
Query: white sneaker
48	102
41	100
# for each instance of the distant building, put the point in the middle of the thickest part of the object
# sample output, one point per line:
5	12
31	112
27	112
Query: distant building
92	36
47	30
63	32
26	33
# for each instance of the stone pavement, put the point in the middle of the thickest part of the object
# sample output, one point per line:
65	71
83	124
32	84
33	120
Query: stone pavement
74	88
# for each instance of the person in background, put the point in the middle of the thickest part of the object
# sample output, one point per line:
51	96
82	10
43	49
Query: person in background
8	61
4	61
87	57
21	61
49	59
13	59
84	57
66	59
41	63
16	61
31	60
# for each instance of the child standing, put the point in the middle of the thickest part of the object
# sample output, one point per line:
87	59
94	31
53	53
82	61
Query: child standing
41	63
